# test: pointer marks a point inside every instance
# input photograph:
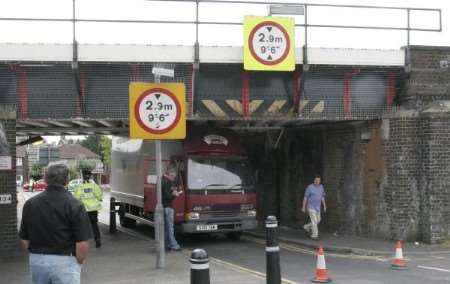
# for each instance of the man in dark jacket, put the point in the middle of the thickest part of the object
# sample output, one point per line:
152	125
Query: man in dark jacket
168	196
55	229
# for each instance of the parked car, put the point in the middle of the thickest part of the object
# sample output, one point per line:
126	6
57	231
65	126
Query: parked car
19	181
40	185
26	187
73	184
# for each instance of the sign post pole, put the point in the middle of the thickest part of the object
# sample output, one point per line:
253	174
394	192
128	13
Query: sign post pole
159	210
158	112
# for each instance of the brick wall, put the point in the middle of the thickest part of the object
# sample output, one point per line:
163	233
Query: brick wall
402	193
427	80
263	159
300	155
429	84
8	212
342	178
435	181
388	179
286	164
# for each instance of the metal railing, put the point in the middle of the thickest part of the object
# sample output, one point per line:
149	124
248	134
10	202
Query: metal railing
198	22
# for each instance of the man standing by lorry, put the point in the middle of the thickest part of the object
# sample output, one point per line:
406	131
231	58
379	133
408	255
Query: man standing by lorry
91	195
168	196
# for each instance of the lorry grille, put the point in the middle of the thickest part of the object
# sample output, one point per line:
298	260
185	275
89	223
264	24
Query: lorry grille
221	214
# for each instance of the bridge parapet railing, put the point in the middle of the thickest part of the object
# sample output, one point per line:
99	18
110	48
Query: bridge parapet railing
205	22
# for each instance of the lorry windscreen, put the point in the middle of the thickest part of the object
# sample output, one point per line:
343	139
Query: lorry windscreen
206	173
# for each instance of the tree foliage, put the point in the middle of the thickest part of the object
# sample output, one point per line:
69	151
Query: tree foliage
106	145
86	165
73	173
92	142
36	171
100	145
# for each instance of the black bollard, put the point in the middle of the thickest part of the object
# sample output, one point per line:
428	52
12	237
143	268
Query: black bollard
199	267
272	251
112	216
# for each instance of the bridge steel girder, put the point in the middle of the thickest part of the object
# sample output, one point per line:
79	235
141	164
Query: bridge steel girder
48	99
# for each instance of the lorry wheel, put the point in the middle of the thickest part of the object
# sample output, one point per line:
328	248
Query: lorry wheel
127	222
234	236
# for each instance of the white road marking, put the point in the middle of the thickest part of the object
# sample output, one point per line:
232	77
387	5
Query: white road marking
297	249
434	268
188	252
250	271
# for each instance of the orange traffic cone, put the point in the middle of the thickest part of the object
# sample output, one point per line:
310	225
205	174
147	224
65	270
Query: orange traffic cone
321	269
398	262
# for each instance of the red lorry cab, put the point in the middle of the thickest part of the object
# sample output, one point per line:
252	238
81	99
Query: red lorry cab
213	171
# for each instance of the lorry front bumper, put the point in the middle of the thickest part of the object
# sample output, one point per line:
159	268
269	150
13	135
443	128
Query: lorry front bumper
193	227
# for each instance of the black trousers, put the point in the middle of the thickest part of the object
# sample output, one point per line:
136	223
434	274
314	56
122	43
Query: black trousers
93	217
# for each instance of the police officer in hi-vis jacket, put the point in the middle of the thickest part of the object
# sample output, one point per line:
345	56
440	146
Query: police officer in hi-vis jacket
91	195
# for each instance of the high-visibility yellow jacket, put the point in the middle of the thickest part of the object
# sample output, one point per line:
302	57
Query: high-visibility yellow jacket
90	194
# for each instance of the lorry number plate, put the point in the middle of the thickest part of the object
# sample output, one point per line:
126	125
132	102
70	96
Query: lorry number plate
206	227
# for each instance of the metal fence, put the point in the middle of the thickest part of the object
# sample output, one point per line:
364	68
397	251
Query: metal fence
220	92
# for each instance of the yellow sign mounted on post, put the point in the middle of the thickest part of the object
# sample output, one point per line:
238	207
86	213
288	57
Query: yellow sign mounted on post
157	111
269	43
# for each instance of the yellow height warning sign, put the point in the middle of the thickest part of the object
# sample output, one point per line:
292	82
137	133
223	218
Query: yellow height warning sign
269	43
157	111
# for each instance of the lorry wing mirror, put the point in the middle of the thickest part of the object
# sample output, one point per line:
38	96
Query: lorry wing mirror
151	179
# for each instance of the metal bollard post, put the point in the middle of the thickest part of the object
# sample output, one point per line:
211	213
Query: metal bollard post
272	252
199	267
112	216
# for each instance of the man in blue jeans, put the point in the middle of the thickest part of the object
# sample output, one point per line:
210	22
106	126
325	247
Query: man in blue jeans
55	229
314	196
168	196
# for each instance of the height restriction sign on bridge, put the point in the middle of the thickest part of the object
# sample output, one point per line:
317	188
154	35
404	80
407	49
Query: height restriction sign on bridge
269	43
157	111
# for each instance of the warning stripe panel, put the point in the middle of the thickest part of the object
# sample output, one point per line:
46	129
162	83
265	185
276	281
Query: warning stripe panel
263	108
318	108
254	105
235	108
214	108
235	105
311	108
275	107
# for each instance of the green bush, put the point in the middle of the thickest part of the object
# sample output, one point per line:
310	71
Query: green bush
36	171
73	173
86	165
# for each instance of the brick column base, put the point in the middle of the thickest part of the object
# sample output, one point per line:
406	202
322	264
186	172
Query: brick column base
8	210
435	180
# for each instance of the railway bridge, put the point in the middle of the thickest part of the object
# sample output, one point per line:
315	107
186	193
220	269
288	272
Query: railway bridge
374	123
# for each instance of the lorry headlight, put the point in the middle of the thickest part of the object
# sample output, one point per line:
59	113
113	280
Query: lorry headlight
251	213
192	216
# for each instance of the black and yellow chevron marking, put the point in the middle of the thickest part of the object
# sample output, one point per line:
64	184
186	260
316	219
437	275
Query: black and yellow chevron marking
311	108
233	108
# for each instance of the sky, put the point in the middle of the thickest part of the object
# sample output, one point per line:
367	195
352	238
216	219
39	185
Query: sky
111	33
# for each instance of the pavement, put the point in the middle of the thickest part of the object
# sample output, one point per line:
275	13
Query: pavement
347	244
129	257
124	259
